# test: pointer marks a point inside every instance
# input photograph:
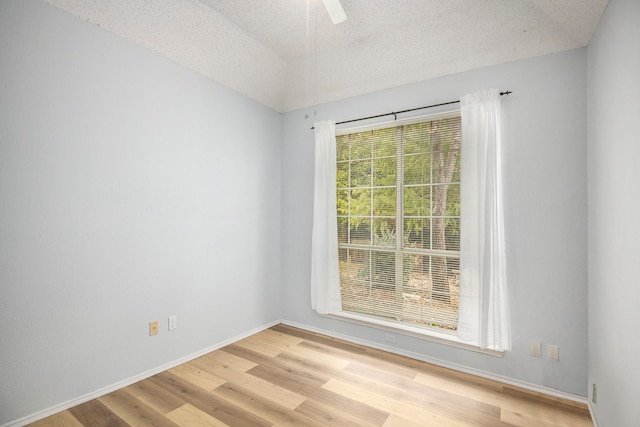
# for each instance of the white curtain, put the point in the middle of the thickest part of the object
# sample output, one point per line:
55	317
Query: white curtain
484	311
325	274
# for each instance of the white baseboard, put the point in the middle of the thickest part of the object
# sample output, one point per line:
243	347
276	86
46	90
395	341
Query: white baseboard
449	365
120	384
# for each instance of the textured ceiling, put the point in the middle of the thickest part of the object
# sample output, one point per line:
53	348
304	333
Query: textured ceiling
259	47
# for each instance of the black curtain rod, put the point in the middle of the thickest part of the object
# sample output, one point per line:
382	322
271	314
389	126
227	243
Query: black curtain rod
395	113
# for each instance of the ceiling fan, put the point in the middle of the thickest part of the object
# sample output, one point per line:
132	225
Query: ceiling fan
335	10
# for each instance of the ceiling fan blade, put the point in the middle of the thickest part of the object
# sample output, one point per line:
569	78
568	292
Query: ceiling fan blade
336	12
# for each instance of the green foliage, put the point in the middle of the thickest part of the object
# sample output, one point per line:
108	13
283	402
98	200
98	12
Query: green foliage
367	182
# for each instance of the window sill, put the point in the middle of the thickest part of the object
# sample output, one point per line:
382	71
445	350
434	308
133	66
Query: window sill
433	335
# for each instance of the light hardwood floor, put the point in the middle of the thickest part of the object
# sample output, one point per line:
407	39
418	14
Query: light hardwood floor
285	376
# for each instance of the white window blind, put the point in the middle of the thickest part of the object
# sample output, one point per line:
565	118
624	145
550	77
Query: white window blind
398	211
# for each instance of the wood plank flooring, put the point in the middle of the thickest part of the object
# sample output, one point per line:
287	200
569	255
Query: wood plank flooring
284	376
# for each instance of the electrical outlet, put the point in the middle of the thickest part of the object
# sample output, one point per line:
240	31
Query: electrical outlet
390	338
534	349
173	322
153	328
553	353
594	394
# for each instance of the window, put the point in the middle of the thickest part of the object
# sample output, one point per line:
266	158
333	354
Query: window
398	209
389	245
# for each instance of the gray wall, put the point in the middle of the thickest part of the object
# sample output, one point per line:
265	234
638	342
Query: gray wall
614	214
546	197
131	189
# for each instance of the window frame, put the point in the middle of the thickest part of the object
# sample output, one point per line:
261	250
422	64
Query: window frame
440	335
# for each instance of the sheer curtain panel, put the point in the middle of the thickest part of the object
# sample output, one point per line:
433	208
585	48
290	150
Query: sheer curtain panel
484	311
325	274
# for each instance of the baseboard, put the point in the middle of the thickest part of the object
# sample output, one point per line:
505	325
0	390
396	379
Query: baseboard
120	384
438	362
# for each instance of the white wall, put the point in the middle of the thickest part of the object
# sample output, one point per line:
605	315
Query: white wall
131	189
546	196
614	214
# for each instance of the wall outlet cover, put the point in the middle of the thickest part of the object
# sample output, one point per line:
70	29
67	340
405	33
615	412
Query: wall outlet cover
534	349
153	328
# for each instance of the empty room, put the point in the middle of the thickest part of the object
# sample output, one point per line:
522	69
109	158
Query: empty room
306	212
